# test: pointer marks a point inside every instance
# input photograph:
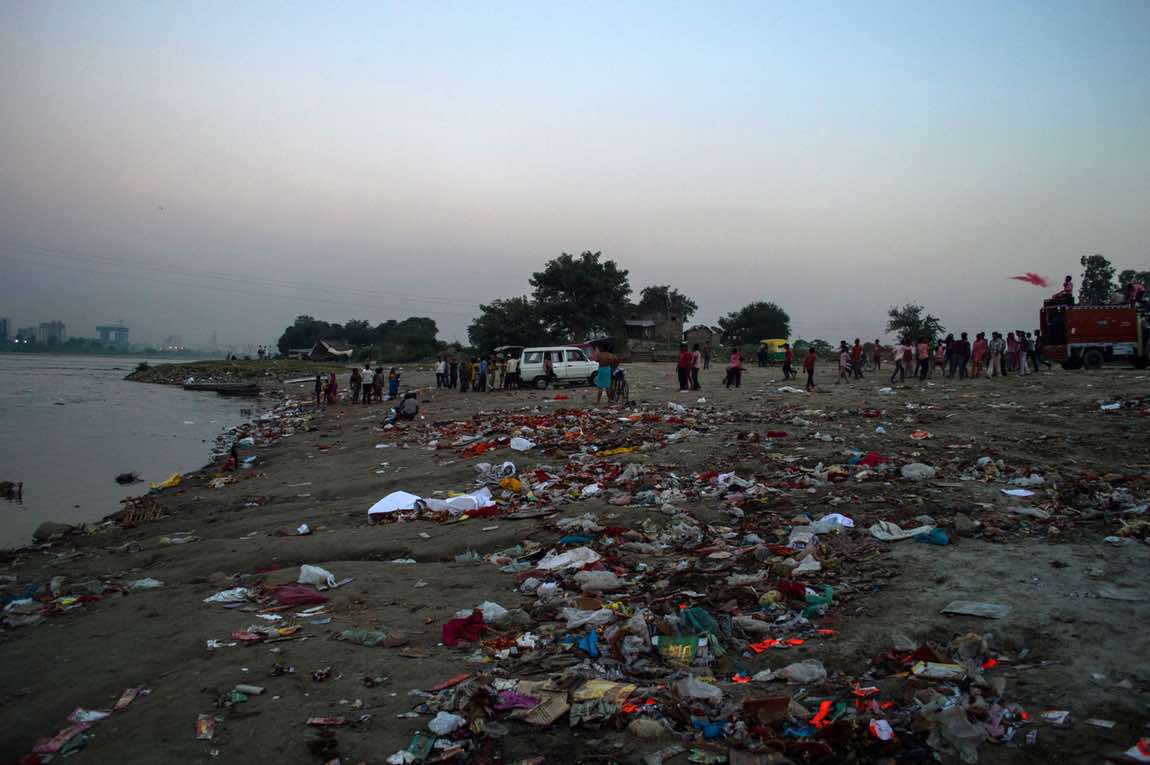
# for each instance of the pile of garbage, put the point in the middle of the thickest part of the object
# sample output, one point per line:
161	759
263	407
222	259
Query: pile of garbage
26	603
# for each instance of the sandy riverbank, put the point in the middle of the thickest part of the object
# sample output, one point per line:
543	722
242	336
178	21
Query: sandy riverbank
1062	646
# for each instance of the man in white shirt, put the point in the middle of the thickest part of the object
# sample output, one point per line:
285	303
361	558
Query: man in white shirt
512	378
368	380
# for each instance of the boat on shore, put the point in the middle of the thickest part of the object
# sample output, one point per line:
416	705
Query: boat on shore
225	388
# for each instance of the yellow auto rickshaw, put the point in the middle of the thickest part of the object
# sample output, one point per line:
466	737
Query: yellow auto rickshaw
774	350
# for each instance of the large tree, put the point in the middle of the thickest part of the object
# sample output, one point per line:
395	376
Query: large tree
909	322
305	331
754	323
577	296
357	332
514	321
1097	280
665	301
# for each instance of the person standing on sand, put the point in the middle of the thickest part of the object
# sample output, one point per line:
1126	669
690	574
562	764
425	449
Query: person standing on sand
368	383
683	368
452	372
994	353
332	389
809	366
877	355
441	373
481	381
355	382
1038	351
977	353
464	374
607	362
857	362
707	355
696	365
1011	352
923	355
318	389
735	368
844	362
512	380
377	384
963	355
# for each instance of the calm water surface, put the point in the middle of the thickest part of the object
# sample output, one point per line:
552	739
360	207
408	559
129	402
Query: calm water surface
70	424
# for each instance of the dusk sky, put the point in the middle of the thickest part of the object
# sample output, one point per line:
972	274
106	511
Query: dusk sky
191	166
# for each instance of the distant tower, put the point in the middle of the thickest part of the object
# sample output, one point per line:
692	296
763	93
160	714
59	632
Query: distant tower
215	341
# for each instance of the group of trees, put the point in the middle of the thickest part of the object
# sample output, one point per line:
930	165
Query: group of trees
573	298
576	297
412	338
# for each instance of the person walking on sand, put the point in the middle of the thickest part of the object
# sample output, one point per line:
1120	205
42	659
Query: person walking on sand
857	360
355	382
809	366
696	366
683	368
844	362
735	368
788	362
896	357
707	355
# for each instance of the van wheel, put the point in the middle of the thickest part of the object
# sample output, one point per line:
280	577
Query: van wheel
540	383
1092	360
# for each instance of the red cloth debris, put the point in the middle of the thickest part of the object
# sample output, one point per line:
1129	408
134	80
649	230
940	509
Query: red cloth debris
872	459
1032	278
792	589
468	628
297	595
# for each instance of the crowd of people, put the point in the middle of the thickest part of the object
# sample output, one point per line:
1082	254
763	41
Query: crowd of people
480	374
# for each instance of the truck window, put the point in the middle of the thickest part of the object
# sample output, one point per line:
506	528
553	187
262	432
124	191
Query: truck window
533	357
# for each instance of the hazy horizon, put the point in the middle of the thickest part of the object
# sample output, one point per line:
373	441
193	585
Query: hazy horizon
191	167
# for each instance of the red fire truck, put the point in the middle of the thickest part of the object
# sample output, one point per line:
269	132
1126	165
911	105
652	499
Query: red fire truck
1089	335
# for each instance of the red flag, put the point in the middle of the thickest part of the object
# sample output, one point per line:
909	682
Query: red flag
1032	278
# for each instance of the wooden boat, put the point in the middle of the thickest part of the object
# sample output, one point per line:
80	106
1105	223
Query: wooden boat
226	389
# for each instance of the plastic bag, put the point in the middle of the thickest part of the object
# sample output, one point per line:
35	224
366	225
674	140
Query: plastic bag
521	444
599	581
577	618
445	723
916	471
803	672
691	687
315	575
579	556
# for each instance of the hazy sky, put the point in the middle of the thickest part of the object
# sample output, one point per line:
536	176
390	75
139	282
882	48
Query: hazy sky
833	157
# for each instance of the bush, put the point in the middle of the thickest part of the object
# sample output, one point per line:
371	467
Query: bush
143	366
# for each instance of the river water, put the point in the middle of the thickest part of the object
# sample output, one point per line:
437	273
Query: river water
70	424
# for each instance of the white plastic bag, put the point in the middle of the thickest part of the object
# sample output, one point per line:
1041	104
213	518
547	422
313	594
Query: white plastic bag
319	577
445	723
599	581
803	672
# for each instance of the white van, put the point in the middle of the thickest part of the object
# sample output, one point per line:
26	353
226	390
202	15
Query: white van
570	365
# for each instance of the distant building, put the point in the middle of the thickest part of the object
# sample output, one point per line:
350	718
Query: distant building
653	327
113	335
331	350
174	343
702	334
51	332
3	330
26	335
